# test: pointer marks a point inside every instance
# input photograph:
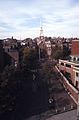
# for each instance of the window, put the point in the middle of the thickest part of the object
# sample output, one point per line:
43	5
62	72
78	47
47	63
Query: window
78	59
8	49
77	66
67	65
62	64
77	74
77	84
74	59
68	75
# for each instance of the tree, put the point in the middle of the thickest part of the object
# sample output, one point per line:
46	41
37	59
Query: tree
8	71
30	58
60	53
57	52
66	52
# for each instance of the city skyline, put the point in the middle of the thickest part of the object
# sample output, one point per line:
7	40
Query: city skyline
21	18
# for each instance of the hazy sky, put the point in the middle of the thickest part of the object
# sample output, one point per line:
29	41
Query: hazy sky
21	18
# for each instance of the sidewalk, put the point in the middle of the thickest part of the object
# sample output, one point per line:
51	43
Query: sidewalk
71	115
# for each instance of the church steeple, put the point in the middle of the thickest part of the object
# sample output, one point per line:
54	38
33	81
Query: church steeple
41	31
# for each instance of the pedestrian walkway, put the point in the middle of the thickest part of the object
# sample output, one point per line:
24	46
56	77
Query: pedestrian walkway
70	115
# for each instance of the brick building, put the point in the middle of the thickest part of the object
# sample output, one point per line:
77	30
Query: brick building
75	51
70	69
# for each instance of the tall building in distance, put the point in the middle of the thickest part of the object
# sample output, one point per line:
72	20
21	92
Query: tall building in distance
41	39
44	43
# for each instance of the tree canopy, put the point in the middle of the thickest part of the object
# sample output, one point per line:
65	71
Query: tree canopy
30	58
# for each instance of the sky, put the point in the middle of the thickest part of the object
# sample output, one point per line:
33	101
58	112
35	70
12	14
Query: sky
21	18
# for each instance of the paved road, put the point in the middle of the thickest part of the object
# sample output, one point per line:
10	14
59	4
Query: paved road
71	115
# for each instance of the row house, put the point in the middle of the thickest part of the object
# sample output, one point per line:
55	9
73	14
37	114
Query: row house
28	42
10	46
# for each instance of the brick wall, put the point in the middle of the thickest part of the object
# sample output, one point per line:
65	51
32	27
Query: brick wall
75	47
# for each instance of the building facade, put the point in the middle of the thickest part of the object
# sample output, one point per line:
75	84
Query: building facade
10	46
70	69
